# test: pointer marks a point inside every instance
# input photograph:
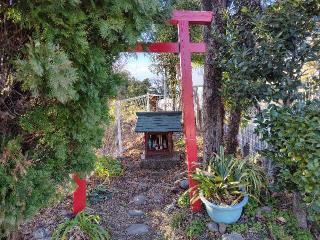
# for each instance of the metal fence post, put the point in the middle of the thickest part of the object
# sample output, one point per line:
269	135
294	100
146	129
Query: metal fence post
148	102
120	150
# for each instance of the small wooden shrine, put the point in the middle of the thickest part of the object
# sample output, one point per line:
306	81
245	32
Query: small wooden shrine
158	128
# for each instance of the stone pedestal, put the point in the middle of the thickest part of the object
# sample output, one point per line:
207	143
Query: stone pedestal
161	162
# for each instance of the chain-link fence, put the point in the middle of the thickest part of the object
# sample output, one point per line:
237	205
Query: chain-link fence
121	137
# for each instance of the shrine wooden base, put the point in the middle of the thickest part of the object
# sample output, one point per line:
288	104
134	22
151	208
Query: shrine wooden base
166	162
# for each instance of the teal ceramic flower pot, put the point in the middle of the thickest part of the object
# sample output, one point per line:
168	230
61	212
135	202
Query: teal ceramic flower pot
224	214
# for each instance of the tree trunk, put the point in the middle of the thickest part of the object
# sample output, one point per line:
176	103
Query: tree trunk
213	107
299	211
233	130
235	114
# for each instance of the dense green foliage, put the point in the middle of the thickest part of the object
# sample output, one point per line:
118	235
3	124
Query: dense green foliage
196	228
61	83
108	167
271	226
265	51
184	200
294	136
83	225
227	179
178	219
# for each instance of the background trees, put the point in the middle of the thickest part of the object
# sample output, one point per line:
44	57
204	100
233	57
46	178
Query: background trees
271	70
53	99
262	54
131	87
257	53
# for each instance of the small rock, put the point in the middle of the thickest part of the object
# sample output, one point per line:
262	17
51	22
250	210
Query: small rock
123	158
222	228
177	183
266	209
135	213
184	184
67	214
174	190
232	236
140	200
137	229
40	233
170	208
213	227
281	220
143	186
253	234
258	214
199	215
180	175
64	212
158	199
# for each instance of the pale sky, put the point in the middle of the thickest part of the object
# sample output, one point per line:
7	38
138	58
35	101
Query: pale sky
139	66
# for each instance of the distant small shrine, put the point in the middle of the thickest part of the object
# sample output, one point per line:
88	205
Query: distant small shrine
158	128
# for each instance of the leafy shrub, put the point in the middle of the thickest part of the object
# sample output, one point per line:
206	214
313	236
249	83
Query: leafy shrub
289	230
180	143
22	187
99	194
196	228
184	200
82	224
269	227
238	227
178	219
227	179
108	167
294	134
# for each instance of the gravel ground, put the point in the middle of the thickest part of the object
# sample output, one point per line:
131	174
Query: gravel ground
156	186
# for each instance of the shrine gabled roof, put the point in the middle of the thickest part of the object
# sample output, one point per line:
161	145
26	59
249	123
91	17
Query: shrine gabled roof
159	122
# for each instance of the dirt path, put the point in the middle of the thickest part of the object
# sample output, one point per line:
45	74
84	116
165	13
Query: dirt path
153	193
150	192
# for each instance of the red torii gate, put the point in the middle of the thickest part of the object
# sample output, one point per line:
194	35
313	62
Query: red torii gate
185	48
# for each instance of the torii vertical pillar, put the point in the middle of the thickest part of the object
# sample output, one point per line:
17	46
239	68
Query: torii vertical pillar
184	48
182	19
79	195
188	106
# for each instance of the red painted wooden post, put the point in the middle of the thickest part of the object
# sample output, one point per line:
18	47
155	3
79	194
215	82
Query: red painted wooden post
188	107
79	195
193	17
157	47
182	19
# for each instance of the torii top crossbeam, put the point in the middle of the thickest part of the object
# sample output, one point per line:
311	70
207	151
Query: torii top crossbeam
178	17
184	48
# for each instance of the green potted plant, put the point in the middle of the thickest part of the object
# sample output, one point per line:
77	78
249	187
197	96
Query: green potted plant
225	184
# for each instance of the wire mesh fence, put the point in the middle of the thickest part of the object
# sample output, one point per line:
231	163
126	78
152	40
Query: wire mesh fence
121	137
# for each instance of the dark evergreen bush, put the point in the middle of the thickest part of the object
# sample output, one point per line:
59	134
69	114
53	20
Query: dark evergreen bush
55	81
